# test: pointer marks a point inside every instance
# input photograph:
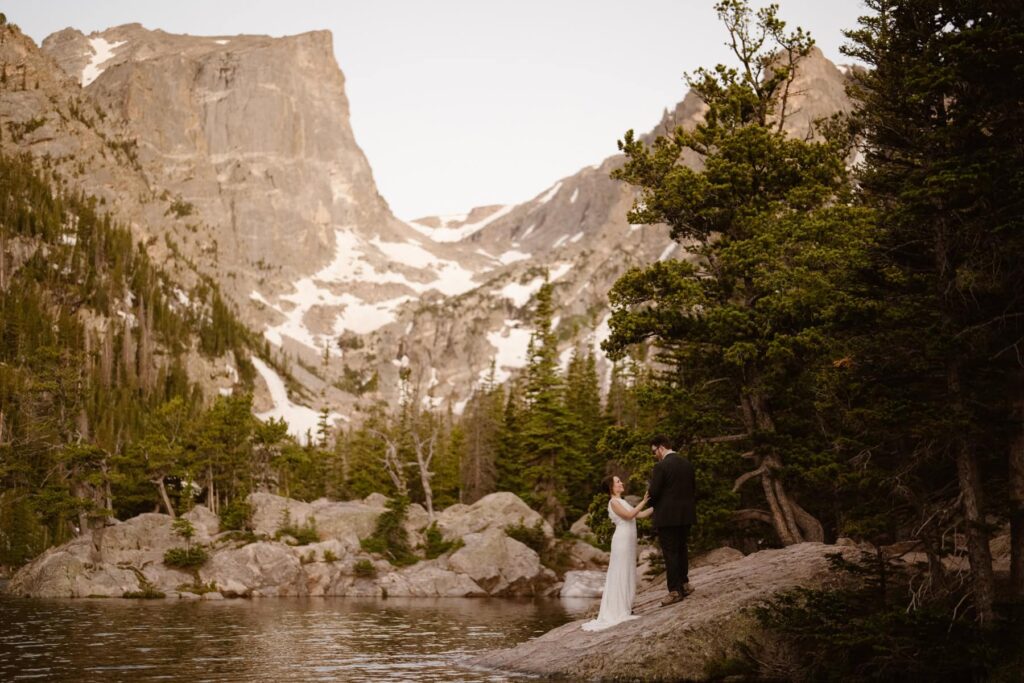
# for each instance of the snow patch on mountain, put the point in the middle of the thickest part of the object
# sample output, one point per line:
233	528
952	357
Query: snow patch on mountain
461	232
512	255
101	51
550	194
511	342
559	270
520	293
301	419
352	265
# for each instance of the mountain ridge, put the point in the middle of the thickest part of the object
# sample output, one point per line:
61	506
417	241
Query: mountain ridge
284	214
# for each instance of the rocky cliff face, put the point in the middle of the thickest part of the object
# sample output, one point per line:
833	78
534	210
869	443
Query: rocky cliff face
243	147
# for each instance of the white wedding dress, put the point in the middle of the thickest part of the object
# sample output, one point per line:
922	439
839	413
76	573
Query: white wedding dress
620	583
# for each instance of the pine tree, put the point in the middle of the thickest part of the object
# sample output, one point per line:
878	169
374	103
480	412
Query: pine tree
587	425
942	122
745	326
481	428
551	456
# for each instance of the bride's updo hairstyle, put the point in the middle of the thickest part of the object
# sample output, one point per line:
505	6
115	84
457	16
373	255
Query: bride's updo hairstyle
607	483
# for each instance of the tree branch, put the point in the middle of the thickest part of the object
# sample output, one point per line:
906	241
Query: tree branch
744	478
752	515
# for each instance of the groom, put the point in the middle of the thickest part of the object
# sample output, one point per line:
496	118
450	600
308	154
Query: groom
672	490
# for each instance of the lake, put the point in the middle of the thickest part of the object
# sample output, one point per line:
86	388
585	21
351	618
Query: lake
280	639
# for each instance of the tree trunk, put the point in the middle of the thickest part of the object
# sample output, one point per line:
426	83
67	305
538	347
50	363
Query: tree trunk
211	492
1016	495
424	457
978	552
164	497
791	522
784	531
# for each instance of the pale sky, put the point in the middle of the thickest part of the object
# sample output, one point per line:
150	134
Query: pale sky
461	103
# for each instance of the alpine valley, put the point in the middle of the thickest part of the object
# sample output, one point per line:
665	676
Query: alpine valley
232	159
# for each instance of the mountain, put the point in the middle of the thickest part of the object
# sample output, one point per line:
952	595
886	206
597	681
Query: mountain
232	157
577	231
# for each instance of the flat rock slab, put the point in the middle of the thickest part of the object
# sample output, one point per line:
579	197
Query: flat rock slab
677	642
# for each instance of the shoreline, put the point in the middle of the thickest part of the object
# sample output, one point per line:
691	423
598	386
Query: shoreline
678	642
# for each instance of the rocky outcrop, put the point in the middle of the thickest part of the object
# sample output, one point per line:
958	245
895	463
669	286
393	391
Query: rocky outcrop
502	565
345	521
128	556
493	511
676	642
583	556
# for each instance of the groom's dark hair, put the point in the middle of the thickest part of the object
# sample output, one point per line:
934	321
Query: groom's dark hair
661	440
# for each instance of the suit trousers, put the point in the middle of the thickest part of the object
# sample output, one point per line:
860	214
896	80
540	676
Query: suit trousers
673	540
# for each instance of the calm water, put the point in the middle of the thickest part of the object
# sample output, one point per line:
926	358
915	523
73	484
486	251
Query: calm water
340	639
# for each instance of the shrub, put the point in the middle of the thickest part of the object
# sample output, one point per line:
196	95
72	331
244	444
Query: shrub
390	538
558	557
237	515
243	537
198	587
303	535
147	591
180	208
365	569
531	536
435	545
867	633
308	558
186	558
329	556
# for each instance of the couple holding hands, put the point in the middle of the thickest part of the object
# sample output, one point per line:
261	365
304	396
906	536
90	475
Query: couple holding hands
671	495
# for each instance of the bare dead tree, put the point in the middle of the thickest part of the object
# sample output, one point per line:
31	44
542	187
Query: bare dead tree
393	464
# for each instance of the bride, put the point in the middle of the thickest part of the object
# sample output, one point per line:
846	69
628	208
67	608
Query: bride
620	583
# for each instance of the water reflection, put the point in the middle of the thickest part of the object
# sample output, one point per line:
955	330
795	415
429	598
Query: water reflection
340	639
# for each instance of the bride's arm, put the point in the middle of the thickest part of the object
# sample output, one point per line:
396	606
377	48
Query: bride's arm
621	510
644	514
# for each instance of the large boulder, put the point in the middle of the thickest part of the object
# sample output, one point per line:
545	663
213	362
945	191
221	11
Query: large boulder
346	522
270	568
581	528
108	561
494	511
716	557
270	512
583	584
62	573
206	523
679	641
501	565
429	579
583	556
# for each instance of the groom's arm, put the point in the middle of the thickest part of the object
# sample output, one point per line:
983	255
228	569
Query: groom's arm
656	485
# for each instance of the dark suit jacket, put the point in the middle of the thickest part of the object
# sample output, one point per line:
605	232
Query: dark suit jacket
673	490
